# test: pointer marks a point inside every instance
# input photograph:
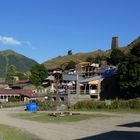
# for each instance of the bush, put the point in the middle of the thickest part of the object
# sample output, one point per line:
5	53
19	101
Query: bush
89	105
117	104
134	103
71	65
108	104
45	105
12	104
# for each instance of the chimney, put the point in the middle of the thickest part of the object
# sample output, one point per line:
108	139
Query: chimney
114	44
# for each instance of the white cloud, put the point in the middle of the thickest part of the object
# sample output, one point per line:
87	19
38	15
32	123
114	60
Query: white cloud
9	40
28	43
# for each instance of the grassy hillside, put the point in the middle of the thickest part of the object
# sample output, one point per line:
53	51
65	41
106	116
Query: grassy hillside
127	48
9	57
62	61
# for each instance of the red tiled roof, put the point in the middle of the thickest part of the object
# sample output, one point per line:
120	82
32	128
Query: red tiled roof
3	83
24	92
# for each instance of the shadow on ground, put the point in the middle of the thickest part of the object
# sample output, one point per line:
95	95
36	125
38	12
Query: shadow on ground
115	135
134	124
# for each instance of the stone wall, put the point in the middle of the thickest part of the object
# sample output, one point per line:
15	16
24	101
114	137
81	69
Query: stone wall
74	98
68	100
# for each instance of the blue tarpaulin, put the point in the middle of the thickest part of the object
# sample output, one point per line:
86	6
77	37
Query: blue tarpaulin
109	73
31	107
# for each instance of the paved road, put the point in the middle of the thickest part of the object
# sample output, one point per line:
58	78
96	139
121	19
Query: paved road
111	128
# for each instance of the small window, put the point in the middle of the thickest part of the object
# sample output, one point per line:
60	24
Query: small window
53	98
61	99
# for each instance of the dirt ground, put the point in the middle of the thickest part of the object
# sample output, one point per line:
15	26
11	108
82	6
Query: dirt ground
123	126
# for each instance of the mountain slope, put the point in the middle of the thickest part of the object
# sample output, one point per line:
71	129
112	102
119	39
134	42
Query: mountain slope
127	48
21	62
62	61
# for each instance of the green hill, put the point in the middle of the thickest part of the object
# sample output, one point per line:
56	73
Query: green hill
62	61
127	48
9	57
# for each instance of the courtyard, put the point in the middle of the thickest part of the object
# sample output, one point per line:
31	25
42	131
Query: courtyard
101	126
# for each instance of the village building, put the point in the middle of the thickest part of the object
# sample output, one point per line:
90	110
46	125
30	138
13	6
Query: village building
87	69
62	88
19	94
3	84
91	86
52	71
48	84
69	80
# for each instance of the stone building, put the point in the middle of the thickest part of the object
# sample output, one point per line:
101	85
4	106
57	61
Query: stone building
20	94
87	69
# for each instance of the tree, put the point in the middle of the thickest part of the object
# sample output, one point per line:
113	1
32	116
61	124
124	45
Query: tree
97	59
116	56
69	52
22	76
11	72
90	59
135	51
129	76
38	74
71	65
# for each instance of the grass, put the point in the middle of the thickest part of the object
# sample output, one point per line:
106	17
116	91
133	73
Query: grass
12	133
44	117
127	110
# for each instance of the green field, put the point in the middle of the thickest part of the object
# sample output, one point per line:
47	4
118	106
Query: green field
12	133
44	117
121	110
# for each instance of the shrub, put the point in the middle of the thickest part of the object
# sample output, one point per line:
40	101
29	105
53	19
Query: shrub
12	104
108	104
45	105
117	104
89	104
134	103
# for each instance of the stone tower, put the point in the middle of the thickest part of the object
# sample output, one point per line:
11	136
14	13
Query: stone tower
114	44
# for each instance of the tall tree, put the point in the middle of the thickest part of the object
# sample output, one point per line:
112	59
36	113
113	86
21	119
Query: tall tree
71	65
22	76
96	59
116	56
38	74
69	52
129	75
11	72
136	51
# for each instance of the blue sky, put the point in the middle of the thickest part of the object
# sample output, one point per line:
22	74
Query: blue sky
44	29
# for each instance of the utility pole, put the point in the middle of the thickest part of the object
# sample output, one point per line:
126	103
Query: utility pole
77	85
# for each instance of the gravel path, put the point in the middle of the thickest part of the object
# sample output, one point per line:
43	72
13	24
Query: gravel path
106	128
